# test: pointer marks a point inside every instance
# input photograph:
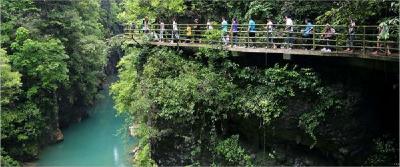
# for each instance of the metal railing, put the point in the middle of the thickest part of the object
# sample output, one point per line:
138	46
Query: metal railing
365	37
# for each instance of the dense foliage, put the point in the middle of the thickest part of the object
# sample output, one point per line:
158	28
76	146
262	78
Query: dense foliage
193	106
180	101
52	62
232	153
364	12
136	10
10	80
197	109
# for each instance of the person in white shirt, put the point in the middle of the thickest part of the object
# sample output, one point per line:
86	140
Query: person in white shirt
175	32
289	30
270	29
162	29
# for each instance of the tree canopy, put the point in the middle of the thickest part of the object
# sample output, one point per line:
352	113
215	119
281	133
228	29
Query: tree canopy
52	60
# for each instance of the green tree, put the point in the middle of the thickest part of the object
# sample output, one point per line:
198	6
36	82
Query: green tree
41	62
136	10
169	88
384	152
22	123
231	153
13	15
86	64
170	93
78	26
108	17
57	55
22	127
10	80
7	161
364	12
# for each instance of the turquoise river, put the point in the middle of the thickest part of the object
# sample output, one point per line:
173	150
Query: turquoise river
94	141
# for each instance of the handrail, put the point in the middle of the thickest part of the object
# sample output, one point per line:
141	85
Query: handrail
303	25
365	37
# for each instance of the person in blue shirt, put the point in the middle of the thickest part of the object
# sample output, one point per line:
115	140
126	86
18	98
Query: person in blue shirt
307	33
252	31
309	27
224	26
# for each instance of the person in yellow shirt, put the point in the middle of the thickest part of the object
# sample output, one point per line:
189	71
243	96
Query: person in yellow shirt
189	34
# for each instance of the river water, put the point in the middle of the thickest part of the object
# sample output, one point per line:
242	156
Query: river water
92	142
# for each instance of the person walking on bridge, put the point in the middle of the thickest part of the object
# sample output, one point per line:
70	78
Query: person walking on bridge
162	29
270	30
175	32
234	31
133	27
196	30
289	29
189	34
307	33
383	35
252	32
225	36
328	34
146	25
351	35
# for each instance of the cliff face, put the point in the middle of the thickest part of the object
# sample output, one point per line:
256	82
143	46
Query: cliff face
115	55
352	135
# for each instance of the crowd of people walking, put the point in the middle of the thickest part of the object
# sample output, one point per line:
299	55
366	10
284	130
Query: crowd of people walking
271	34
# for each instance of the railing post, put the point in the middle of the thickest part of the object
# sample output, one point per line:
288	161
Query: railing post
336	40
313	39
128	30
178	32
131	31
248	38
231	38
171	31
364	50
385	47
267	42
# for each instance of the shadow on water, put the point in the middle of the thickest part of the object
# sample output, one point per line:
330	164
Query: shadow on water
95	141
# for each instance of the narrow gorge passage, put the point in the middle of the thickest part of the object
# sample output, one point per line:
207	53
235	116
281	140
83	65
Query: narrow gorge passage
95	141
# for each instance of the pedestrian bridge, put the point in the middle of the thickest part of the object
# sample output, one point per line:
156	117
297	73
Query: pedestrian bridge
366	44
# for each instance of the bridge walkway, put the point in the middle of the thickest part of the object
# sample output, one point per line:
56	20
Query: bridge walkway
365	43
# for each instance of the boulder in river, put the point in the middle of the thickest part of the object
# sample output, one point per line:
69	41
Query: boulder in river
58	135
133	129
134	151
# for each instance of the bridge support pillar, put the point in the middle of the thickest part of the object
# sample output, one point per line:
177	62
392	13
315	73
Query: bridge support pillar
287	56
234	53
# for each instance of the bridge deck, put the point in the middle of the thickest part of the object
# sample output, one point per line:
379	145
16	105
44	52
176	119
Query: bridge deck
365	40
392	57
